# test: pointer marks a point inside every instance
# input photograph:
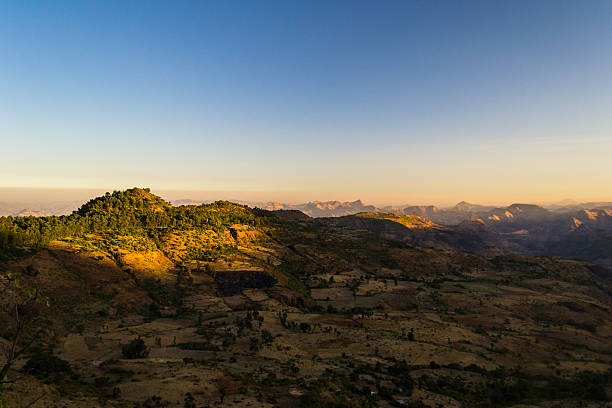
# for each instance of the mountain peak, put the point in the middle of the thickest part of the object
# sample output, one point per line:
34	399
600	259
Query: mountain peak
465	206
524	208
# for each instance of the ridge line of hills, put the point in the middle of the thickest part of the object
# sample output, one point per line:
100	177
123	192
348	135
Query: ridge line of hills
447	215
517	228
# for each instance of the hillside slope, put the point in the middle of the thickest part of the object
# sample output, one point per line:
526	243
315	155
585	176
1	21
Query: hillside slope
243	307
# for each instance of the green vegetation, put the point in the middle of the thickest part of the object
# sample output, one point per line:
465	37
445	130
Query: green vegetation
134	212
135	349
44	364
506	389
335	393
410	221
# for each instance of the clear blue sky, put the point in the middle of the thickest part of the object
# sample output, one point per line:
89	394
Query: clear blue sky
418	99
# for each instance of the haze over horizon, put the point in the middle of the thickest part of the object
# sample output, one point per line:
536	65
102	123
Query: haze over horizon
391	103
38	197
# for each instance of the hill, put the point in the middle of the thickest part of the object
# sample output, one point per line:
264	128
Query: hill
411	229
220	304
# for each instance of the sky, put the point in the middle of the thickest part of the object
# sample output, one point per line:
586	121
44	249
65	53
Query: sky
397	101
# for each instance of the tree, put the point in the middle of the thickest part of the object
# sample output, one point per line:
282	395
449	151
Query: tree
266	337
305	327
135	349
21	309
411	335
189	401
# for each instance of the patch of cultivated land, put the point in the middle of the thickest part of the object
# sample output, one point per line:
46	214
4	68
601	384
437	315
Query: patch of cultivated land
219	352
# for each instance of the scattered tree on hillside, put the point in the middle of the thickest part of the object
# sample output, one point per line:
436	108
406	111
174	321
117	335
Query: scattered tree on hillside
20	316
135	349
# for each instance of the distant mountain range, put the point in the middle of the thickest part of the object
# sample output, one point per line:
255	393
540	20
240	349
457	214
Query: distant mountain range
317	209
447	216
526	228
577	230
43	209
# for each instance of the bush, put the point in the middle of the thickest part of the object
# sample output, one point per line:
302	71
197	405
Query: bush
305	327
45	364
155	402
135	349
189	401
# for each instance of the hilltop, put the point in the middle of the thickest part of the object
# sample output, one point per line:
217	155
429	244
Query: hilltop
129	201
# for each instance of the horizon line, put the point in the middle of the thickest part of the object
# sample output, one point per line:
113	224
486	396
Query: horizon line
376	199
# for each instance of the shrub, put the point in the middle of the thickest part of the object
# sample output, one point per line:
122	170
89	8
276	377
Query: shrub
411	335
189	401
155	402
135	349
45	364
266	337
305	327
